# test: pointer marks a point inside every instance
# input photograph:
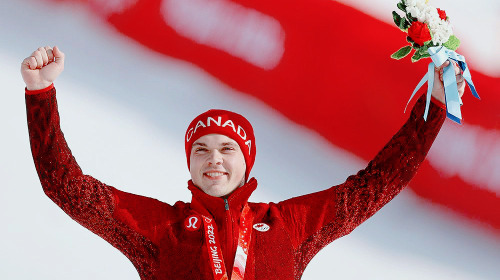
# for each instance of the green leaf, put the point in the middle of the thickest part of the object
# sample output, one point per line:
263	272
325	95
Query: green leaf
410	18
453	43
426	55
396	18
403	24
423	50
402	6
402	52
416	57
406	24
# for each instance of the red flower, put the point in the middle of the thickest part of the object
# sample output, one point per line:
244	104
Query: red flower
442	14
419	32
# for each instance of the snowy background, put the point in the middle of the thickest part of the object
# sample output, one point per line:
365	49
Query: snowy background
124	111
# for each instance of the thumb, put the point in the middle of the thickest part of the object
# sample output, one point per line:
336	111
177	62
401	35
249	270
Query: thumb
58	56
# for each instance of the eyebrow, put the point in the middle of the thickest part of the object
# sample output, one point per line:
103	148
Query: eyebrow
228	144
205	145
199	144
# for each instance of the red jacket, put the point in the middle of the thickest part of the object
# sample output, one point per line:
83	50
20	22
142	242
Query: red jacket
154	236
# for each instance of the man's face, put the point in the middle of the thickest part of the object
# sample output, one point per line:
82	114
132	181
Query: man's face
217	165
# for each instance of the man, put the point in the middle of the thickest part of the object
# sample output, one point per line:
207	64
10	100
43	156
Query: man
219	234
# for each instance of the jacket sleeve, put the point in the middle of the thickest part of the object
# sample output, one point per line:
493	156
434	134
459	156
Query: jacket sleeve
319	218
91	203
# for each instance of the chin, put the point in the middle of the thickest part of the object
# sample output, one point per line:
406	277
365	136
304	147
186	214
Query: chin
222	192
216	193
214	190
218	189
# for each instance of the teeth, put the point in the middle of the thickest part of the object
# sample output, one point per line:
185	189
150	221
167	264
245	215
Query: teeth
214	174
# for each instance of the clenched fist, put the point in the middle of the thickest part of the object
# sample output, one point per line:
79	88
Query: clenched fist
42	68
438	89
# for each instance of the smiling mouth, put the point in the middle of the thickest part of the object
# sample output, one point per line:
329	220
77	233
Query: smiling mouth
214	175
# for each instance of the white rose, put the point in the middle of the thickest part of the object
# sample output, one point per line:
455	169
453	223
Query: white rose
441	32
414	12
410	3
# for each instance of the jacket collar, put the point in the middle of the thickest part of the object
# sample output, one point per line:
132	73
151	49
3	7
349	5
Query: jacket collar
213	206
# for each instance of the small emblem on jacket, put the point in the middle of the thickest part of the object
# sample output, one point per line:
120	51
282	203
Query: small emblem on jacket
261	227
192	223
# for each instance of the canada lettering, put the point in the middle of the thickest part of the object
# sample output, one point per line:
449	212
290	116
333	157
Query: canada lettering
229	123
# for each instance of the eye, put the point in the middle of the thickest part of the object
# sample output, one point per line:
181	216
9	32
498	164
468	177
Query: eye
200	150
227	149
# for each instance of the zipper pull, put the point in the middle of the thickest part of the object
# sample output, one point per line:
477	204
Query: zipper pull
226	203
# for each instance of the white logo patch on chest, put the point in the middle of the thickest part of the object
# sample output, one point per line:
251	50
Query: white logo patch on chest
261	227
192	223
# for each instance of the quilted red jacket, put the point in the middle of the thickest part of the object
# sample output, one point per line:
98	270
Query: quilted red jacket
154	236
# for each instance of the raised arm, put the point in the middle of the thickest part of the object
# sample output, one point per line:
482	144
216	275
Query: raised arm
363	194
314	220
116	216
62	179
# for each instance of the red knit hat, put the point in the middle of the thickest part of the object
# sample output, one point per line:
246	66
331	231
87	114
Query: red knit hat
227	123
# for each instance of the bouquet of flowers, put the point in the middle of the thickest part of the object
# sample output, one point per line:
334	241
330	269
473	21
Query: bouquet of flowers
430	34
426	27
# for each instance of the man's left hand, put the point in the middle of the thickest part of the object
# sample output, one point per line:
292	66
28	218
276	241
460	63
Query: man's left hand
438	89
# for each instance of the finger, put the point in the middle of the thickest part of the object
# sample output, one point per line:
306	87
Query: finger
456	68
43	53
38	58
58	56
29	63
445	64
461	88
50	53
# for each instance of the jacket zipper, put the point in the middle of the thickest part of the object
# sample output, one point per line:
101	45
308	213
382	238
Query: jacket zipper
229	230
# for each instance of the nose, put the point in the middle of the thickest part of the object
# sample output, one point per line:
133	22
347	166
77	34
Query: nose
215	158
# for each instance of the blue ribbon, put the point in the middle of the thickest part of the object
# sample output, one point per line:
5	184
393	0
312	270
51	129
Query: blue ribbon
440	55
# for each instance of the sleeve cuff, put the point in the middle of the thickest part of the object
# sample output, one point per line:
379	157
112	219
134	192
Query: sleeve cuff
438	103
32	92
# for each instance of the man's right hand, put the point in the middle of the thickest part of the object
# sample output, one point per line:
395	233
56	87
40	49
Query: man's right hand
42	68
